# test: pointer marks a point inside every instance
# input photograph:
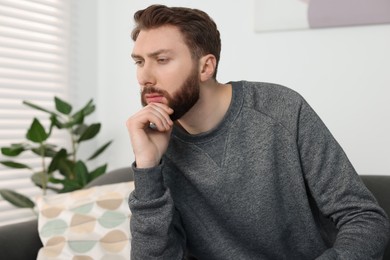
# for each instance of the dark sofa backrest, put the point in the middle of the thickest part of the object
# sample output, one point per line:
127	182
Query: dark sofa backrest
379	185
119	175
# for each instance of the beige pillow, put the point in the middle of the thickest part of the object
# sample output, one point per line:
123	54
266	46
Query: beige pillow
86	224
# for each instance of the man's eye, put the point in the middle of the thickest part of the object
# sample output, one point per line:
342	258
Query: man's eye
138	62
162	60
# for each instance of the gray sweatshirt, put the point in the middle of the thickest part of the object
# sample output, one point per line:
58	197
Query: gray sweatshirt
264	184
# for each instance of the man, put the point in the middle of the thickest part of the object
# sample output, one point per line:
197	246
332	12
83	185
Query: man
242	170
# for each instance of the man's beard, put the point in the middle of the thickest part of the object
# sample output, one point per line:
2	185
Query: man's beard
182	100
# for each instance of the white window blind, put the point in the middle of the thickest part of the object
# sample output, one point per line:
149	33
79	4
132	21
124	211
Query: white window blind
34	66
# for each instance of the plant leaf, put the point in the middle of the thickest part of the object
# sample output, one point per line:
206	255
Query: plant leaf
70	185
78	118
13	150
88	109
97	172
36	133
53	118
15	165
38	107
81	172
60	156
16	199
56	180
40	150
80	129
56	122
66	168
62	106
48	152
99	151
90	132
40	179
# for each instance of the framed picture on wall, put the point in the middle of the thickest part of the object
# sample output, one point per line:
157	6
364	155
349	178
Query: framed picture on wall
273	15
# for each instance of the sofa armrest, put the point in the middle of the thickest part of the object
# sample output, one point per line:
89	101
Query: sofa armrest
20	241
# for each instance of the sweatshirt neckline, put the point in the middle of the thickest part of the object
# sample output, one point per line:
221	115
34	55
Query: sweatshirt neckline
223	126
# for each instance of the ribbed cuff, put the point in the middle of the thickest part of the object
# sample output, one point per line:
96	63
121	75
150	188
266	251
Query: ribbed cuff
148	182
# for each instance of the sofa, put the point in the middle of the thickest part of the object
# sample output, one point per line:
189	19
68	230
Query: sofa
21	240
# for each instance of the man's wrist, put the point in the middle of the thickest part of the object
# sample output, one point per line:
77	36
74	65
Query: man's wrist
146	164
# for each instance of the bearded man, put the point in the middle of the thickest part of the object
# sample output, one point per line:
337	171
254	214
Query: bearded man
242	170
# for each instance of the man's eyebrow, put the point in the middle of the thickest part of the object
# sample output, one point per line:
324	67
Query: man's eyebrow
152	54
136	57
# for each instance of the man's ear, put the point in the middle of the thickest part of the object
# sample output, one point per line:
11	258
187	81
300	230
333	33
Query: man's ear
207	66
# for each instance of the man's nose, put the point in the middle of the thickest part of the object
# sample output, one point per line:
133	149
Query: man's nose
146	76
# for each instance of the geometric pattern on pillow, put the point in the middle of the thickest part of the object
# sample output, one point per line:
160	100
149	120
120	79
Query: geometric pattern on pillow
86	224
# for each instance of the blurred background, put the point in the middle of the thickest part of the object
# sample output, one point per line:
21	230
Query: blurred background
80	49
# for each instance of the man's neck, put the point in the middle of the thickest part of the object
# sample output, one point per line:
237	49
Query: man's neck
209	110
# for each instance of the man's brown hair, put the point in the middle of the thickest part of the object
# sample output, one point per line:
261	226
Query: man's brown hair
198	28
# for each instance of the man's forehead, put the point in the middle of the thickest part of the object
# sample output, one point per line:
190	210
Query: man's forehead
153	53
165	39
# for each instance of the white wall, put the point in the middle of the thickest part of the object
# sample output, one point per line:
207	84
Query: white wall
84	61
344	73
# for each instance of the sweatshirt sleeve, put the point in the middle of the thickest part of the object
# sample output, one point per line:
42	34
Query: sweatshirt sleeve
363	227
155	225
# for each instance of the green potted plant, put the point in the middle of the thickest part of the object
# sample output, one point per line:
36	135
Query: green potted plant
61	168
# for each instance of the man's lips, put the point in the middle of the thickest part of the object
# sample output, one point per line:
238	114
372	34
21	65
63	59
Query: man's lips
154	98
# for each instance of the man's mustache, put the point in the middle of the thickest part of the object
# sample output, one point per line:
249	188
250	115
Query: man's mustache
151	89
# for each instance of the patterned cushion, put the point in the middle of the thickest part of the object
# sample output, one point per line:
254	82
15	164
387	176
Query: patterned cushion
86	224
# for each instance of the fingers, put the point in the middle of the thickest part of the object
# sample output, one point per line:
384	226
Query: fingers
163	107
160	118
155	113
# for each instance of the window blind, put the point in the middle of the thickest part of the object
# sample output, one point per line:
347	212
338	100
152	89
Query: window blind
34	66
